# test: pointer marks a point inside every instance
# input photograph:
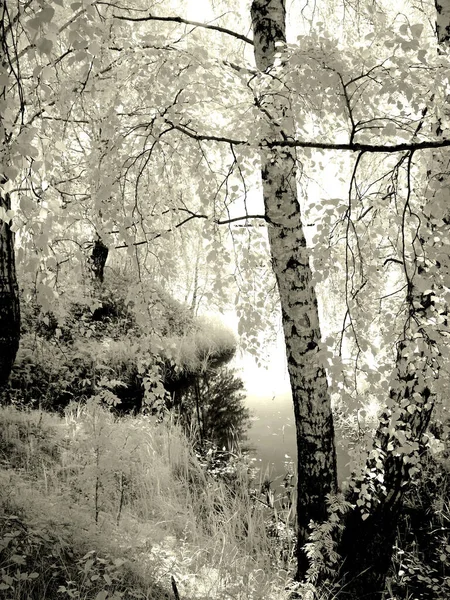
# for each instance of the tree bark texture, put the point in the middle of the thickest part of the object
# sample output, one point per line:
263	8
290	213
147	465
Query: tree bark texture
9	298
9	292
442	20
317	475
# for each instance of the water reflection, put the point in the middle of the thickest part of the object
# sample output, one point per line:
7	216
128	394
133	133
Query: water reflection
272	435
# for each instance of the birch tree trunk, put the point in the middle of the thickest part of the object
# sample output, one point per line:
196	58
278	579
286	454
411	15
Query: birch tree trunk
316	464
371	528
400	440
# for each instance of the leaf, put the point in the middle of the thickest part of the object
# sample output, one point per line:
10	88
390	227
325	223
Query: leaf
45	46
94	48
46	14
60	145
103	595
421	56
416	30
81	55
33	24
10	172
47	73
88	565
389	129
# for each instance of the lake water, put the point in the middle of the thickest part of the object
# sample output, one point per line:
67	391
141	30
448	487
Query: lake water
272	435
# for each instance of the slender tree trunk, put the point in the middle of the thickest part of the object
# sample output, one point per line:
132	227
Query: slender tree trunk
98	259
371	528
9	292
317	475
9	298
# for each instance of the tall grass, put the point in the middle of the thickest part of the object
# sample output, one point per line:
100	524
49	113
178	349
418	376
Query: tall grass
133	490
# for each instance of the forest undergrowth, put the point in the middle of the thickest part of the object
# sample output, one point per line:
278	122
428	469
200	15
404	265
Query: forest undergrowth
95	507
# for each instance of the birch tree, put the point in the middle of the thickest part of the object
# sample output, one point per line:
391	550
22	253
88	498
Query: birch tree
316	454
369	532
401	438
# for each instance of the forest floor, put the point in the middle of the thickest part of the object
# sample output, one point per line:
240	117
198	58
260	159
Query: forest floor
98	508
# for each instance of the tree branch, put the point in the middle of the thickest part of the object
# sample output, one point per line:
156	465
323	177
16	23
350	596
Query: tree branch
150	17
244	218
158	235
181	223
349	146
357	147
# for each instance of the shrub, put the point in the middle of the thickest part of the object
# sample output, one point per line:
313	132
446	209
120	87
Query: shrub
214	408
422	554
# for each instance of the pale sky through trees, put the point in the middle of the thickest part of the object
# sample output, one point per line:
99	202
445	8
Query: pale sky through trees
271	380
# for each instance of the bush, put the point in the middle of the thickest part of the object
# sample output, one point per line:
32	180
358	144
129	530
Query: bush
43	376
422	553
129	346
213	408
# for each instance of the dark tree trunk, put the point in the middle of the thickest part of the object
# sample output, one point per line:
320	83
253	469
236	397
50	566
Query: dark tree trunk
9	291
317	474
98	259
370	529
9	298
442	21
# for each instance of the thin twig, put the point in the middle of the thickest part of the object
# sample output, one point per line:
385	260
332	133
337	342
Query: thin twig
175	589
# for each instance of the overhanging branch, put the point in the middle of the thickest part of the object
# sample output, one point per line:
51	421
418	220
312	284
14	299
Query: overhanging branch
182	21
349	146
184	221
357	147
244	218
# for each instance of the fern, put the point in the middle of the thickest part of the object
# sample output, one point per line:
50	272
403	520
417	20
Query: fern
321	549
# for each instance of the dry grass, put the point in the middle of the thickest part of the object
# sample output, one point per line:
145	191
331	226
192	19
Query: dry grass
127	505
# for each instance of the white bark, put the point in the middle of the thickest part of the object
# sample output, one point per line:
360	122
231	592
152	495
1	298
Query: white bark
290	260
